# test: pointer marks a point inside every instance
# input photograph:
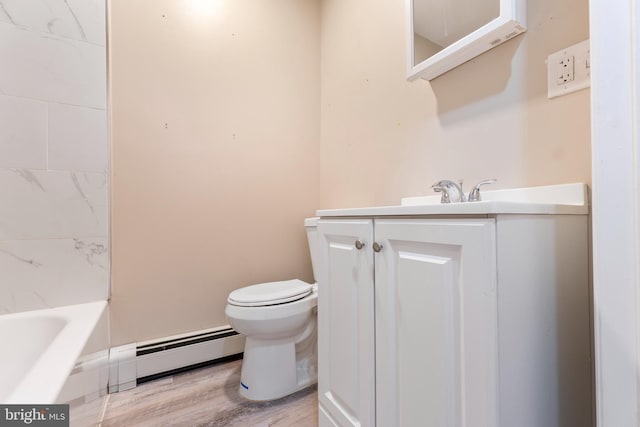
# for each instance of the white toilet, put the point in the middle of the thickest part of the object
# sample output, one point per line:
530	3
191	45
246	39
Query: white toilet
279	322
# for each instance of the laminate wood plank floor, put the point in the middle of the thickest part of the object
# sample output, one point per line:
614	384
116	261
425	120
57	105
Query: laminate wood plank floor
207	397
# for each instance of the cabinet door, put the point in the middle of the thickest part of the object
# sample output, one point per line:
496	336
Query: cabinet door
436	323
346	383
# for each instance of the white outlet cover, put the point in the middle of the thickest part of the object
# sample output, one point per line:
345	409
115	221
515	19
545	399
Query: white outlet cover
579	54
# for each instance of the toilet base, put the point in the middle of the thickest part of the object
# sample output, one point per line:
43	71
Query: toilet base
272	369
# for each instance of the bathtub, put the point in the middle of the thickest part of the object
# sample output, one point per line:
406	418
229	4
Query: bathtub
57	355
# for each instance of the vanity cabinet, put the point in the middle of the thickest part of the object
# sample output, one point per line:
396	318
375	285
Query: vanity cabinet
476	321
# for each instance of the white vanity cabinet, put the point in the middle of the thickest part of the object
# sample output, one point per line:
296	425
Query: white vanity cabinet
467	320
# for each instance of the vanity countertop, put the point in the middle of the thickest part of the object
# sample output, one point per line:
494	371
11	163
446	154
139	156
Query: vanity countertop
563	199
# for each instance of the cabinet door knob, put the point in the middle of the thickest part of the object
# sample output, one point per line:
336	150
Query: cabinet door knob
359	244
377	247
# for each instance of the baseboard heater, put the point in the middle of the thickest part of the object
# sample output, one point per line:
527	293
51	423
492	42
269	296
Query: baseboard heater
180	353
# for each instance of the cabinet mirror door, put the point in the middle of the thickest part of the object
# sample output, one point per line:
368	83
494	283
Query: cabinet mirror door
445	33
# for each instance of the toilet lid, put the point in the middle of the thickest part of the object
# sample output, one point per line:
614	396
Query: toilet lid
270	293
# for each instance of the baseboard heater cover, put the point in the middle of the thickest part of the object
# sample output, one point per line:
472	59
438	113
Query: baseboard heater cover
171	355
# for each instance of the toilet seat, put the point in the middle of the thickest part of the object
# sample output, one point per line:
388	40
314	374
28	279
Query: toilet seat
271	293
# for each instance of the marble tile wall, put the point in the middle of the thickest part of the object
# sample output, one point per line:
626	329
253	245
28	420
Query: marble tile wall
53	154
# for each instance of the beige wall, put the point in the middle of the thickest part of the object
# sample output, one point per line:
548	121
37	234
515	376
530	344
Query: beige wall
384	138
215	124
229	128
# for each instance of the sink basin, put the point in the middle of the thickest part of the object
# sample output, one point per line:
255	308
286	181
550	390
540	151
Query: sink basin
567	199
571	194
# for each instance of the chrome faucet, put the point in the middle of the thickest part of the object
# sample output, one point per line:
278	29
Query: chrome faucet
451	191
474	194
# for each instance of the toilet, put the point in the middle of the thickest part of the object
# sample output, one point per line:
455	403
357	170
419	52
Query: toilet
279	322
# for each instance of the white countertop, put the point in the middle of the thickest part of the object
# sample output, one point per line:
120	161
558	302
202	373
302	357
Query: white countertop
563	199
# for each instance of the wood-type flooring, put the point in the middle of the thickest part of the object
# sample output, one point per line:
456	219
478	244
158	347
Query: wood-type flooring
207	397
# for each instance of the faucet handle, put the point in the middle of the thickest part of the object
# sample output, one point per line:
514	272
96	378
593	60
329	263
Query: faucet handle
474	194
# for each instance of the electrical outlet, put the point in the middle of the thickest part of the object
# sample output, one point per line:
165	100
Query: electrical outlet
565	70
569	70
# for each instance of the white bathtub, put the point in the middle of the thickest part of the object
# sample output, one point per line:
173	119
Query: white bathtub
45	354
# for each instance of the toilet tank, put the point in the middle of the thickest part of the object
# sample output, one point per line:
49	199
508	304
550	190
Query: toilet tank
311	224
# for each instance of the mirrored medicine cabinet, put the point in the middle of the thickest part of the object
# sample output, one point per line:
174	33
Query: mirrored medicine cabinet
443	34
